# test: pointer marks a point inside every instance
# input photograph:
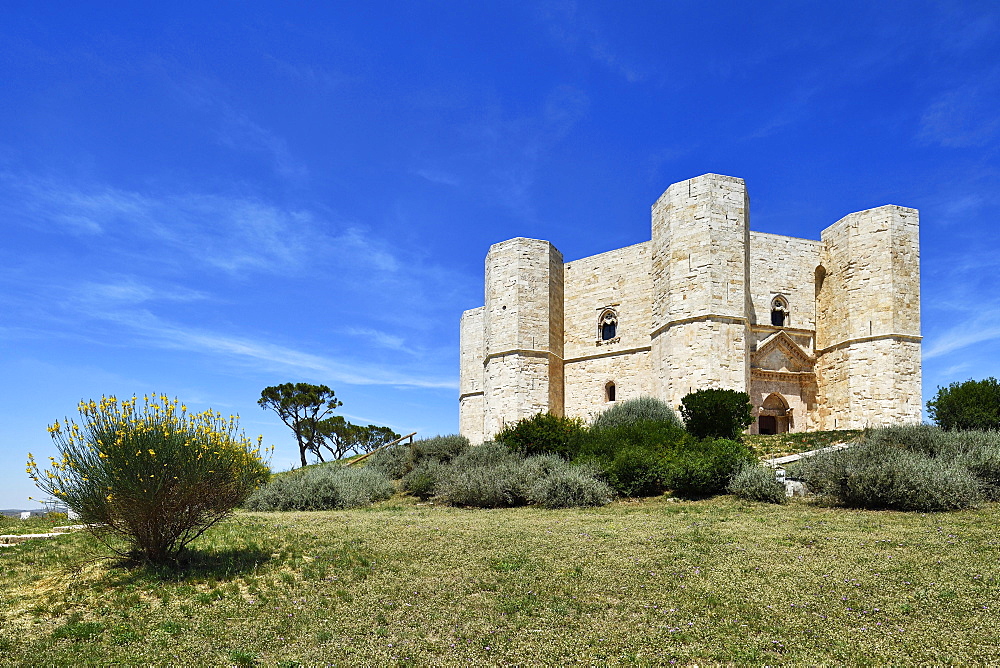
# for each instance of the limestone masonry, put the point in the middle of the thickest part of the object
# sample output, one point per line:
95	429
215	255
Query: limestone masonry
821	334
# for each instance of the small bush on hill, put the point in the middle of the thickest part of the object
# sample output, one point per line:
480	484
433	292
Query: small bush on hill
544	433
717	413
570	486
754	482
491	475
393	461
643	409
439	448
974	404
872	475
633	456
702	468
329	487
499	485
422	480
152	474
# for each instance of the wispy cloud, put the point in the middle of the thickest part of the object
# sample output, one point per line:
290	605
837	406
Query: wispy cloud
962	117
231	126
237	131
970	332
230	233
576	32
381	339
434	176
279	358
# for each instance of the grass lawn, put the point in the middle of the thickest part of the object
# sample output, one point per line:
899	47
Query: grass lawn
715	581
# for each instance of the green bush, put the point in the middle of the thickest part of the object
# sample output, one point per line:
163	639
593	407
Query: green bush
702	468
871	475
544	433
439	448
717	413
493	476
568	486
754	482
643	409
422	480
322	487
394	461
500	485
648	458
974	404
632	456
151	475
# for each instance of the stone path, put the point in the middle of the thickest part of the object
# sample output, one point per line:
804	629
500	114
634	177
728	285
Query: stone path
13	539
787	459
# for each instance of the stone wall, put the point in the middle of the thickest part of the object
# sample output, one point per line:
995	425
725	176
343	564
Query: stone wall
868	319
523	330
472	352
700	269
783	266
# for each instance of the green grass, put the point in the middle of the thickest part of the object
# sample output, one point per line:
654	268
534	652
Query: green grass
37	524
706	582
778	445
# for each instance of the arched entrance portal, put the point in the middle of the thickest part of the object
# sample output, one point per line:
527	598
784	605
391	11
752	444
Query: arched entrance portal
773	416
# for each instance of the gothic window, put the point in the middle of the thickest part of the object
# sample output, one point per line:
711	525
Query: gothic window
779	312
607	325
609	391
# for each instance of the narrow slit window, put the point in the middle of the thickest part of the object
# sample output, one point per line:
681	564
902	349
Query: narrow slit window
609	392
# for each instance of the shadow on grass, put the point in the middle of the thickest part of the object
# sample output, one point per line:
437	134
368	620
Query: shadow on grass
196	564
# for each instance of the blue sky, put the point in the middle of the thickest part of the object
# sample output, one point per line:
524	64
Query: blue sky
203	199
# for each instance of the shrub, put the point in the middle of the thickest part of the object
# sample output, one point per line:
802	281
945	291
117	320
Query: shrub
393	461
422	480
754	482
152	475
701	468
499	485
439	448
871	475
974	404
492	476
633	456
643	409
568	486
323	487
717	413
544	434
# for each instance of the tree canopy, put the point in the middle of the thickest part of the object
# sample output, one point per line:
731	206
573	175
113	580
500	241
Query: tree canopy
306	410
302	407
974	404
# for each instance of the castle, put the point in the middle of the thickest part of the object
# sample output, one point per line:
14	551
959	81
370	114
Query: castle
821	334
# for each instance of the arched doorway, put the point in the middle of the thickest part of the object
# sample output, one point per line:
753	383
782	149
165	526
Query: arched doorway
773	415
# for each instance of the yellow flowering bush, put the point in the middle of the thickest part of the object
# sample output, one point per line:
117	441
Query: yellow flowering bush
151	473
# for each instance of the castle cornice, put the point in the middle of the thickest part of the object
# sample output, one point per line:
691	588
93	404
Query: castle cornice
866	339
527	352
699	318
609	353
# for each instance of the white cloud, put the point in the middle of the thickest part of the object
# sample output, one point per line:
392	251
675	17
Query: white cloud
234	234
281	358
977	330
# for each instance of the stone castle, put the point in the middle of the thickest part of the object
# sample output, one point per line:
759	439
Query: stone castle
821	334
